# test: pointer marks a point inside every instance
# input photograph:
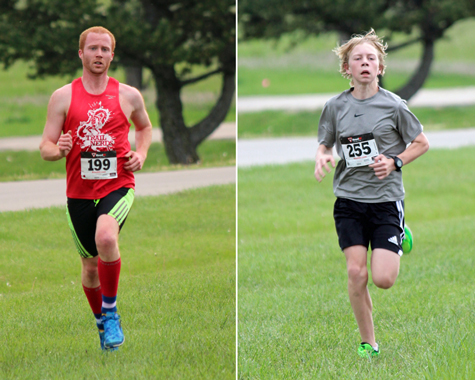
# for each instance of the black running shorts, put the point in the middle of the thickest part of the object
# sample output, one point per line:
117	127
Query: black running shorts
83	214
381	224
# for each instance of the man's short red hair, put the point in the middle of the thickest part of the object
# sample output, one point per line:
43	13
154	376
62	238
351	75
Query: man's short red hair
95	29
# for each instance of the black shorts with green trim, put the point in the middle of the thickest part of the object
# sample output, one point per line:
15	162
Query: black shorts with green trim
381	224
83	214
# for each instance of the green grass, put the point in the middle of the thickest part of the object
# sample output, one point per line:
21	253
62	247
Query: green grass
291	81
22	118
25	165
176	293
23	102
453	47
305	123
312	67
295	320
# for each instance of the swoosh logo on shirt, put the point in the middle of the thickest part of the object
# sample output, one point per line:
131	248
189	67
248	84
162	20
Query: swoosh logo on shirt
361	114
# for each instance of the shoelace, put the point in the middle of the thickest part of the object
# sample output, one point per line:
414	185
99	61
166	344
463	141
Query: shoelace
112	323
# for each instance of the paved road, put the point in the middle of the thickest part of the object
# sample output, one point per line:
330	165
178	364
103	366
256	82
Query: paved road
424	98
254	152
250	152
15	196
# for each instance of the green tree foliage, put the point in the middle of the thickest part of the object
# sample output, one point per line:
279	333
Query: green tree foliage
429	18
158	34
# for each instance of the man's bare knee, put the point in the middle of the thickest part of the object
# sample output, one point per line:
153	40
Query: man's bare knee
89	269
107	237
106	241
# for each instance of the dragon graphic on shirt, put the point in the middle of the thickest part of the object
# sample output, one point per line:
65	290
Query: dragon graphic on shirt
90	136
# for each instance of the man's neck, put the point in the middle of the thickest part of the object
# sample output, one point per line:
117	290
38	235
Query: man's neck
95	84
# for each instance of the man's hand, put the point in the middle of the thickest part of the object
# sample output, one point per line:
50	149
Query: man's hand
136	161
65	144
382	166
322	162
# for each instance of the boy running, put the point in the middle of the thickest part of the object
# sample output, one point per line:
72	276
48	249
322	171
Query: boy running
371	128
93	115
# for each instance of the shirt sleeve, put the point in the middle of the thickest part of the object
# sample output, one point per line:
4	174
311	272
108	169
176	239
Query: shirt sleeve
326	128
408	125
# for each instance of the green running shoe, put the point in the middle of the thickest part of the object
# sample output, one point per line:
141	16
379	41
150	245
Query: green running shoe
408	240
365	350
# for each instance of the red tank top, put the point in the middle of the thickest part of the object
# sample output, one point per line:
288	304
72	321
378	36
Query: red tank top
100	133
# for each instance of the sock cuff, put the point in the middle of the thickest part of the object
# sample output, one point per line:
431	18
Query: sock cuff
94	297
109	300
109	263
91	290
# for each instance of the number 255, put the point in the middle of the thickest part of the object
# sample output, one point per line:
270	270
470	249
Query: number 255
357	150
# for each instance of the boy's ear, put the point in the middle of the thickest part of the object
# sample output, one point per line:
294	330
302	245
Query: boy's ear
346	67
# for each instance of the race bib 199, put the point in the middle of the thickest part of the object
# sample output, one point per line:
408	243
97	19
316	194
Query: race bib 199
359	150
99	165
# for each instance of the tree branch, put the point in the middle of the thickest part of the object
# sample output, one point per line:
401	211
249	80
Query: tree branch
206	126
404	44
201	77
420	75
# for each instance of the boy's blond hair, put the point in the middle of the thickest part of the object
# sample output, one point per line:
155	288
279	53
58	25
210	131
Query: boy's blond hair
344	51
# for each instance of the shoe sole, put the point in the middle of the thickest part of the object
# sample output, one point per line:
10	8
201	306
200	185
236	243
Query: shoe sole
368	354
108	349
114	345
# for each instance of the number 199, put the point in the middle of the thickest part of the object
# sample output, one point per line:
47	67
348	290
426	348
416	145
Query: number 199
99	164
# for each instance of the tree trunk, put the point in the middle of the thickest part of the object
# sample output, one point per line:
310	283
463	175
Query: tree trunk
176	136
421	74
206	126
134	77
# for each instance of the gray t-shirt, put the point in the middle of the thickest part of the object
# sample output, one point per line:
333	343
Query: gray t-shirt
392	125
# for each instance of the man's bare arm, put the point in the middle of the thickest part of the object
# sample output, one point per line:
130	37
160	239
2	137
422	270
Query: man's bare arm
143	131
55	146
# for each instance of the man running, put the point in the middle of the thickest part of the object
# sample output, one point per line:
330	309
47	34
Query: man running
93	114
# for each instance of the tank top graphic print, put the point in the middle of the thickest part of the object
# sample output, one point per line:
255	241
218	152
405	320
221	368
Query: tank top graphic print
100	130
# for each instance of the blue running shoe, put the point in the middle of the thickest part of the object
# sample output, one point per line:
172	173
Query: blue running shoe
113	335
104	348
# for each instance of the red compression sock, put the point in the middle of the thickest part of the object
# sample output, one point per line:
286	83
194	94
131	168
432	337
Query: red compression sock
94	296
109	273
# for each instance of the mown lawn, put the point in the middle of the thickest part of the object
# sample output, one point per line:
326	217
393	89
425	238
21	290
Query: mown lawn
295	320
176	298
